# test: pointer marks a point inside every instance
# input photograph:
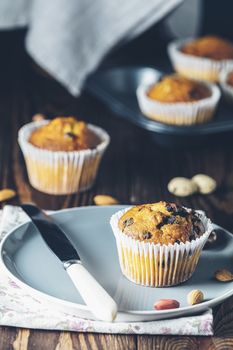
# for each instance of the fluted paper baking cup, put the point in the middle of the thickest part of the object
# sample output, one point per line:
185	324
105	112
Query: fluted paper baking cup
226	88
61	172
179	113
195	67
158	265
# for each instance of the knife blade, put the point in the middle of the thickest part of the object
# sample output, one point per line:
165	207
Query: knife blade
100	303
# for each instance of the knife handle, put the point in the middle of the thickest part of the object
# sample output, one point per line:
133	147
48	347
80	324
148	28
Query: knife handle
95	296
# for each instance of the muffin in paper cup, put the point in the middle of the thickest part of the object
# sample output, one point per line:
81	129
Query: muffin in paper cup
61	172
158	265
179	113
195	67
227	89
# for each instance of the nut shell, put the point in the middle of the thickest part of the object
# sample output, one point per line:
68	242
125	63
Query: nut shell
182	187
195	297
204	183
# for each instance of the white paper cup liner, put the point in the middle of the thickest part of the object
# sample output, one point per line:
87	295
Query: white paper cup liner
58	172
157	265
179	113
195	67
226	88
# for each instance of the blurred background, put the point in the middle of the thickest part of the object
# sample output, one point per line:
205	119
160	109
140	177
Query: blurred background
43	70
47	38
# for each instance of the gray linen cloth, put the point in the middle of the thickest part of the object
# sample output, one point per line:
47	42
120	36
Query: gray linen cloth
69	38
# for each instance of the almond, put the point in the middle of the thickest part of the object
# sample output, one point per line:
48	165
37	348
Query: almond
102	199
195	297
6	194
164	304
38	117
205	183
223	275
181	187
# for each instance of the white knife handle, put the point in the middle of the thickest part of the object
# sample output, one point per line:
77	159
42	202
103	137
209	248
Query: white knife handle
95	296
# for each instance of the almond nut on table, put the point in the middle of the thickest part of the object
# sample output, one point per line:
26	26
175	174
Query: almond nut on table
205	183
102	199
181	187
223	275
195	297
6	194
164	304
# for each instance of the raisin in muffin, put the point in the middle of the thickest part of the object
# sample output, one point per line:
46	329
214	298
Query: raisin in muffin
178	100
201	58
159	244
62	155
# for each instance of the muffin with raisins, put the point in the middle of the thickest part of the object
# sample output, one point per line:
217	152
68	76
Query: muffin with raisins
178	100
159	244
63	155
201	58
226	83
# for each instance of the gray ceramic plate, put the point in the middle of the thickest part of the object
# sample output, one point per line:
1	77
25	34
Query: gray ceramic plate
31	264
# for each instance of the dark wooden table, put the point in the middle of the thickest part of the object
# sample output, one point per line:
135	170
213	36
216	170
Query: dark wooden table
134	170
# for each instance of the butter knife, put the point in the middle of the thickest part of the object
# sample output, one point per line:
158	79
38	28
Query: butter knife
100	303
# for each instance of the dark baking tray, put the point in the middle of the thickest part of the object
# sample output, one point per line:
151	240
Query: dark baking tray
116	87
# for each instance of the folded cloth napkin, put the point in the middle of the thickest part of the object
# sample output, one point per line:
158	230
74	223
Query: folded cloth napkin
69	38
19	308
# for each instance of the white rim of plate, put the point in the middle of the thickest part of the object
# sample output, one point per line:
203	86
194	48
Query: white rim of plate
194	308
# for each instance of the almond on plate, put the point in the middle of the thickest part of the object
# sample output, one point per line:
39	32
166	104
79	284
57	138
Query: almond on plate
165	304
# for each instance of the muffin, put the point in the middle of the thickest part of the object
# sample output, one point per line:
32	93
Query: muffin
63	155
159	244
174	88
226	83
178	100
201	58
212	47
230	79
64	134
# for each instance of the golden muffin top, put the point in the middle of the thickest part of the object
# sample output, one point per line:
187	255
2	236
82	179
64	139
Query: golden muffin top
174	88
230	79
64	134
212	47
162	223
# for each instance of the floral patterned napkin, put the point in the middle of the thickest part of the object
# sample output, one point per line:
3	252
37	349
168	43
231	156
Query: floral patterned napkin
19	308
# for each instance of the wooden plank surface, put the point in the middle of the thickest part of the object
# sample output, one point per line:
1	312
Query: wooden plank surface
134	169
